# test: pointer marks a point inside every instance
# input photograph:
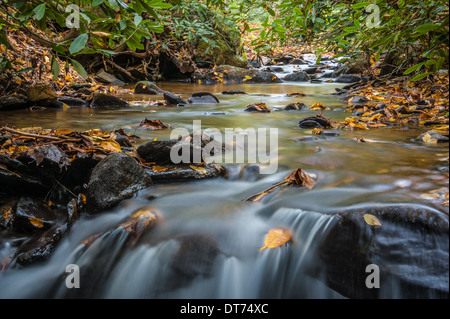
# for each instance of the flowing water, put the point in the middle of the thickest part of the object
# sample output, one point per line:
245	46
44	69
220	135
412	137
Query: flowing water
394	169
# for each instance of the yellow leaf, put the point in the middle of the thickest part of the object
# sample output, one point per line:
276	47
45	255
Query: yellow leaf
318	106
101	34
198	169
158	169
248	77
36	222
372	220
276	237
111	146
427	139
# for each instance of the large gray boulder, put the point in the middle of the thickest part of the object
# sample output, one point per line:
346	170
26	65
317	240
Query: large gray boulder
115	178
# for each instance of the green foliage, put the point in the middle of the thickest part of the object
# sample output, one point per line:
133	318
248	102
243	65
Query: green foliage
414	33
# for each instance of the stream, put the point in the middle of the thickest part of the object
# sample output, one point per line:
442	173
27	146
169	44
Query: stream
223	234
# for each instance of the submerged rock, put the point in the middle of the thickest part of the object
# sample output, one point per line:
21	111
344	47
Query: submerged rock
300	76
105	101
115	178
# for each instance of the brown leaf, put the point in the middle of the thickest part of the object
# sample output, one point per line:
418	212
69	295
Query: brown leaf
301	178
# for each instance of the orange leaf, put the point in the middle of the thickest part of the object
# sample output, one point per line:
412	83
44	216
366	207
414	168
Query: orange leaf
276	237
36	222
371	220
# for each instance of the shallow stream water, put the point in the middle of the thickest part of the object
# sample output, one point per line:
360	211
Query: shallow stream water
393	169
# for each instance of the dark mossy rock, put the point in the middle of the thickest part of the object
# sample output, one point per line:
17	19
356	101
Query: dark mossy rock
297	106
235	75
14	101
300	76
147	87
229	47
185	172
41	92
173	99
257	107
49	157
77	86
348	78
31	215
233	92
72	101
203	98
195	255
115	178
38	248
106	101
314	122
311	70
411	249
18	178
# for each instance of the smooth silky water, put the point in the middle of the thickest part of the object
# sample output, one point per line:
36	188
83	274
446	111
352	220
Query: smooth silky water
393	169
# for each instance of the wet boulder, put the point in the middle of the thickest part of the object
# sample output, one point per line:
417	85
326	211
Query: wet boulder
32	215
432	137
170	173
156	151
348	78
409	245
72	101
257	107
49	157
195	255
14	101
173	99
297	106
234	75
106	101
317	121
203	98
147	87
115	178
299	76
41	92
18	178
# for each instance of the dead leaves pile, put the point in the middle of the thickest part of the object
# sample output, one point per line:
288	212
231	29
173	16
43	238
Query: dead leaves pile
400	103
95	142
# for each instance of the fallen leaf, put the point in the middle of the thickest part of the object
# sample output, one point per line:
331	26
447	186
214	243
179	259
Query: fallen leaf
372	220
198	169
158	169
276	237
36	222
111	146
301	178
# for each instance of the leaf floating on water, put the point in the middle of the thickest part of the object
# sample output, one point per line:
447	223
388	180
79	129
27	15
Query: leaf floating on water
372	220
276	237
